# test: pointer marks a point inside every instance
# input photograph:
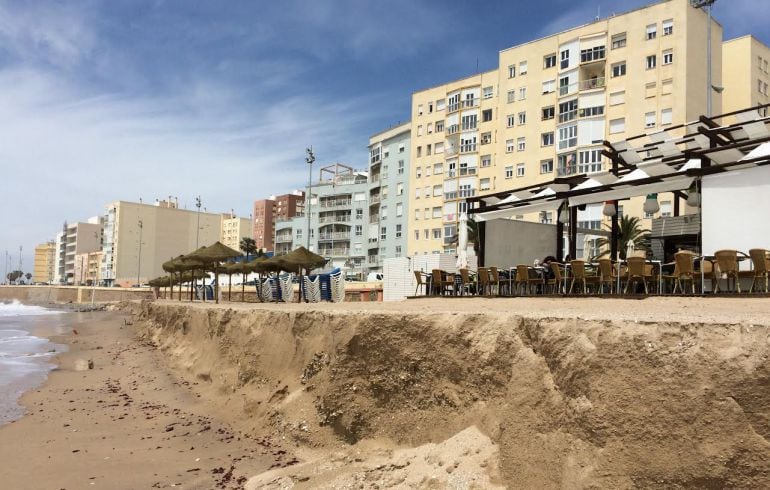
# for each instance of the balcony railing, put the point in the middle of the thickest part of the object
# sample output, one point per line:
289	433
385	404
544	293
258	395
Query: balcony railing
452	129
567	89
334	235
374	199
450	150
461	194
340	218
566	170
373	260
334	252
374	178
336	203
283	238
468	148
450	174
592	83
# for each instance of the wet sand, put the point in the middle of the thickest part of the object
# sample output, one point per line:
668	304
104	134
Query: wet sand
126	423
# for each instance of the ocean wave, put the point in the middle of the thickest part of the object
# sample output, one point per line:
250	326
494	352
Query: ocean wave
15	308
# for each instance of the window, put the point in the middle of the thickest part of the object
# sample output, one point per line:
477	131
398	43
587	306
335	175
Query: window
548	113
428	150
522	118
438	168
436	233
419	151
619	69
511	96
546	166
384	191
549	86
520	170
436	190
523	68
426	191
546	217
665	209
511	71
650	89
437	212
419	130
521	143
666	117
511	120
486	160
564	59
617	125
509	172
469	122
486	115
398	247
359	214
430	107
384	212
652	31
666	86
440	104
419	110
488	92
617	98
439	148
592	54
668	27
568	110
398	232
400	167
486	138
591	111
383	233
399	209
484	184
649	119
652	62
762	87
418	172
619	41
509	146
546	139
417	214
668	56
416	236
439	126
567	136
549	60
522	93
589	161
430	128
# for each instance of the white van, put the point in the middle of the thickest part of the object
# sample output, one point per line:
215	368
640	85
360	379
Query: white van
374	277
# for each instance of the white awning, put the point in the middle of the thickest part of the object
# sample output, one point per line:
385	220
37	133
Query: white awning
535	207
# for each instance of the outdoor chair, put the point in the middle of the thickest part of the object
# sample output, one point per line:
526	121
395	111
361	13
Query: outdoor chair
727	265
557	283
607	275
441	284
420	283
759	257
579	275
684	270
522	279
466	286
482	278
636	273
494	281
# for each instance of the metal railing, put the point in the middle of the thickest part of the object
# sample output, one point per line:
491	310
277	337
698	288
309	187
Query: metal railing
567	89
335	235
591	83
334	219
336	203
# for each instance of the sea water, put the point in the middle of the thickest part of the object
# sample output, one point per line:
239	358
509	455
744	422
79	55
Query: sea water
26	355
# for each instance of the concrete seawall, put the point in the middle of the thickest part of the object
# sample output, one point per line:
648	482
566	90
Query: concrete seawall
71	294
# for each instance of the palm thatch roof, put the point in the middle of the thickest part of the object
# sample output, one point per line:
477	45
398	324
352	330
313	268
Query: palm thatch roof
303	258
217	252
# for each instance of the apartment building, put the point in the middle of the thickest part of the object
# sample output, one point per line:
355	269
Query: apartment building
75	239
233	229
43	270
88	268
139	237
745	74
275	208
388	195
338	220
547	108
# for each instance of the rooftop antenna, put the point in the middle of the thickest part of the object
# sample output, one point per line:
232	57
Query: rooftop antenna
598	12
477	64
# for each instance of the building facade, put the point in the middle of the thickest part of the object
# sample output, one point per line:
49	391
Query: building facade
388	196
138	238
268	211
745	74
75	239
43	270
233	229
88	268
546	110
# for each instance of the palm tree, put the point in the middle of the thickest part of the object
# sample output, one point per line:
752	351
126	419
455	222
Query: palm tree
248	246
629	231
473	235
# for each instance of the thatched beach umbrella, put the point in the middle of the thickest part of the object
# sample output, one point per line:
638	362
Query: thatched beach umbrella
301	259
196	270
172	266
213	256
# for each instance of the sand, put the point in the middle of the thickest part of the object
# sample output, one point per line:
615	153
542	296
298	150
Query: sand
126	423
429	393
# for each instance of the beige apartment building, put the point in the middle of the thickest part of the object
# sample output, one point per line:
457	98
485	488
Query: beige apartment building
138	238
233	229
745	74
44	263
545	112
87	268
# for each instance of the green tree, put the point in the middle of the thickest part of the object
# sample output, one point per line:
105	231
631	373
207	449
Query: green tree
629	230
28	276
14	276
473	235
248	246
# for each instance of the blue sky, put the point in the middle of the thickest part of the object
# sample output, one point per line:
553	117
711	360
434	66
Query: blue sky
119	99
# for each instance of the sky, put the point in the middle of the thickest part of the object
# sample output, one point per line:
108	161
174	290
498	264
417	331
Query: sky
127	99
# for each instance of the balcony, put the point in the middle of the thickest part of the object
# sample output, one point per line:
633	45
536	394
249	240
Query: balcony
461	194
337	203
374	178
334	252
374	219
467	171
450	150
470	103
452	129
592	84
374	199
338	218
568	116
450	174
283	238
568	89
334	235
374	260
470	126
565	171
468	148
452	107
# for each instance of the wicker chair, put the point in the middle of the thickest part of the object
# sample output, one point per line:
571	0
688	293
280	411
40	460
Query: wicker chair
466	286
441	285
759	257
522	279
557	283
579	275
494	281
684	270
420	283
727	263
482	275
636	273
607	274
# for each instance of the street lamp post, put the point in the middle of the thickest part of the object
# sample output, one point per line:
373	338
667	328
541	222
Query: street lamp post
139	261
310	158
198	221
